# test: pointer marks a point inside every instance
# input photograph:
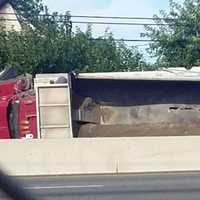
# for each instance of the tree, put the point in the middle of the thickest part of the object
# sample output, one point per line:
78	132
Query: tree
28	9
3	50
131	59
47	44
177	42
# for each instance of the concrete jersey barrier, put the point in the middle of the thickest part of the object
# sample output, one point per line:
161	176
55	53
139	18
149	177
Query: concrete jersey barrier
100	156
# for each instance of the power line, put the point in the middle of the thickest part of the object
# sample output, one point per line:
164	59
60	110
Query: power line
108	23
141	45
127	40
114	39
103	23
121	18
102	39
120	23
100	17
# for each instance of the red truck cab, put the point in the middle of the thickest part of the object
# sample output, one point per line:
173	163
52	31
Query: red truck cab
17	107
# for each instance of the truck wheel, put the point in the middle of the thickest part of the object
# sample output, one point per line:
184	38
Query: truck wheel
12	122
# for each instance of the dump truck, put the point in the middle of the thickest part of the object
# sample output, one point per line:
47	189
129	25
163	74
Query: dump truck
121	104
135	104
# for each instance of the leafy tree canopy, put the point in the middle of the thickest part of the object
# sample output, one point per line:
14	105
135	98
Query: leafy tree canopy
47	44
177	42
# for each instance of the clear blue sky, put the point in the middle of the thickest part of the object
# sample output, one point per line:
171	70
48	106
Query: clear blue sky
133	8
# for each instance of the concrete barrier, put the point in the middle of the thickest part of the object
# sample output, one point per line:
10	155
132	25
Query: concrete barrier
97	156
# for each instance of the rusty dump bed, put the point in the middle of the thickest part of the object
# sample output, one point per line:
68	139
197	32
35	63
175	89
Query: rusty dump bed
131	107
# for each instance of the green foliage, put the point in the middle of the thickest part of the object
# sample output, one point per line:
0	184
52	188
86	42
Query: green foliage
47	44
178	43
29	9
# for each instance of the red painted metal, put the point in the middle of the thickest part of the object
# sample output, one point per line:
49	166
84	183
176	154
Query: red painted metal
18	90
4	131
27	114
7	91
7	88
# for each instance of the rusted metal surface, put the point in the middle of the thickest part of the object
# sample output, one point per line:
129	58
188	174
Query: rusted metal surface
119	108
140	130
150	114
156	120
88	111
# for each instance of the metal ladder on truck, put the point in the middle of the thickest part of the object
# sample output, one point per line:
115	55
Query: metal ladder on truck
53	107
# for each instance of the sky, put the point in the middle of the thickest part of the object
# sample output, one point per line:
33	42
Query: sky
127	8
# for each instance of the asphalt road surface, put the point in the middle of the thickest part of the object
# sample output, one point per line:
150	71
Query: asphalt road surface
120	187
